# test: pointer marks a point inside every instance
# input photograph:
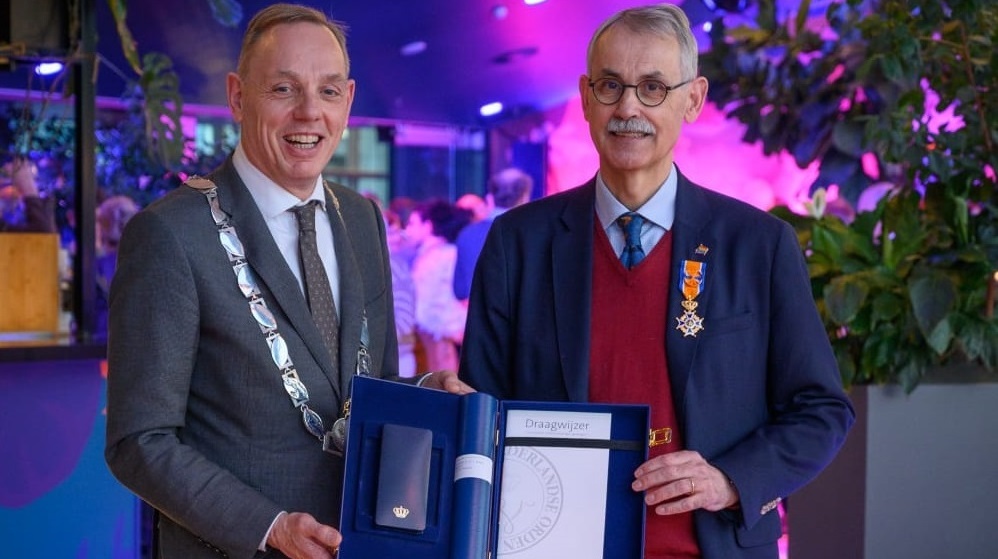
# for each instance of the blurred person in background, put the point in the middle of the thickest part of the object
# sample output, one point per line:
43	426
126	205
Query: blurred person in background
22	209
403	290
507	189
475	204
432	227
112	215
399	244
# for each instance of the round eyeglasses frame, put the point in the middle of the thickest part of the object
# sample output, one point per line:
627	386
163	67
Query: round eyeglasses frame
637	90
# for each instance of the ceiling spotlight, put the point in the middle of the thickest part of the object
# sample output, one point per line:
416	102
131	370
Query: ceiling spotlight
48	68
732	6
413	48
490	109
514	55
533	2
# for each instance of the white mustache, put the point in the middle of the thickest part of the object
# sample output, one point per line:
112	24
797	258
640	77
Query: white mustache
631	126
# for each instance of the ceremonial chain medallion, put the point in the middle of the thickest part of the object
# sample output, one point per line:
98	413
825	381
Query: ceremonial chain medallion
333	440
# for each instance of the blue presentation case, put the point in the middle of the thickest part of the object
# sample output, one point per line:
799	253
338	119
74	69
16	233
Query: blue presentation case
462	514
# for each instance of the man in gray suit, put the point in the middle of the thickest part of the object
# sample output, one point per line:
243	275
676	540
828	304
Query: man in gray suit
223	383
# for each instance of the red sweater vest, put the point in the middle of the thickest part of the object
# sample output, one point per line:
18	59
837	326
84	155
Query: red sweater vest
627	364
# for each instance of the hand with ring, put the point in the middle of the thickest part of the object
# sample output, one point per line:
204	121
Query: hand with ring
683	481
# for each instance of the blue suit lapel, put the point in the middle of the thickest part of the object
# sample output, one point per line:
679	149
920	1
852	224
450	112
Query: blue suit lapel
688	232
269	265
572	271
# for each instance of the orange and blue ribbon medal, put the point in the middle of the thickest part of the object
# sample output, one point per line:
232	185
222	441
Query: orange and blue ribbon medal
690	285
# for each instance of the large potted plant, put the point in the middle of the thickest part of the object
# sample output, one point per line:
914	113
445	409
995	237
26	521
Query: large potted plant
901	97
911	88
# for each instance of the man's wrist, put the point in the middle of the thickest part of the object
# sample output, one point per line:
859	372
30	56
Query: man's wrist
266	537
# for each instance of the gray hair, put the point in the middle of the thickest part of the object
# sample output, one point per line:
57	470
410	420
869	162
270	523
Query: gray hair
667	20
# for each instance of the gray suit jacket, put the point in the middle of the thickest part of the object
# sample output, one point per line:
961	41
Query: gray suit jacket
199	424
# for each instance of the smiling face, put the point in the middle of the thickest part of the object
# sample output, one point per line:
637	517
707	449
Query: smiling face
636	142
292	102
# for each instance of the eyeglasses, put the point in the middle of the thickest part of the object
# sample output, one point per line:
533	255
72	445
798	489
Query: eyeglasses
651	93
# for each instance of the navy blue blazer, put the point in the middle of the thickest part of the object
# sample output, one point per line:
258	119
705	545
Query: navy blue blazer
757	392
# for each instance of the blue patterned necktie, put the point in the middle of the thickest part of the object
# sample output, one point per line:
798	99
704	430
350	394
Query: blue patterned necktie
317	290
632	254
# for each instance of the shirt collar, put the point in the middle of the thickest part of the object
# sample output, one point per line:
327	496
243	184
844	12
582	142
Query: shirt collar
660	209
270	197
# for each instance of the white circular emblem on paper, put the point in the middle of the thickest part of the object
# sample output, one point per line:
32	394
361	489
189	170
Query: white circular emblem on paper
530	501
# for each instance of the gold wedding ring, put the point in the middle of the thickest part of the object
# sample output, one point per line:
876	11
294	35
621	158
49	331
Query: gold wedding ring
693	487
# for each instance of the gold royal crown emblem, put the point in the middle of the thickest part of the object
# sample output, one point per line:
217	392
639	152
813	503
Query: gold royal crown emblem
400	511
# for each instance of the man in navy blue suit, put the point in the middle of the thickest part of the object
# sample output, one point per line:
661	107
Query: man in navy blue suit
507	189
642	287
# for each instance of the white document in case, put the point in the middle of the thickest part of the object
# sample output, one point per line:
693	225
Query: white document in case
552	502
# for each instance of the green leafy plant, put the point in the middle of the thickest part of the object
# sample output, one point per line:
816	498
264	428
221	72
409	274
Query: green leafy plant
124	165
141	152
910	86
159	84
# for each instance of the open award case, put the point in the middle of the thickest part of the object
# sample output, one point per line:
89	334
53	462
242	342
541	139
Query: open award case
436	475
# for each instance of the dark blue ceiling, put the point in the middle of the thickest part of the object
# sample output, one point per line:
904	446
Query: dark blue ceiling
472	57
460	70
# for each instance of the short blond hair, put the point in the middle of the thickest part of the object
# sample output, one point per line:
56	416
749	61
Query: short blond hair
279	14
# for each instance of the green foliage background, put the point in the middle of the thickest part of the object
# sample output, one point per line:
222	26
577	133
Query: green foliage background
905	287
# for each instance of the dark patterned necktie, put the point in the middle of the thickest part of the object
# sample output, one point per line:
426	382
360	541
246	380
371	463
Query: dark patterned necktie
317	290
632	254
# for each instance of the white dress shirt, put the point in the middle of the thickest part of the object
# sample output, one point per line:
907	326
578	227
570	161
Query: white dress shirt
275	204
659	213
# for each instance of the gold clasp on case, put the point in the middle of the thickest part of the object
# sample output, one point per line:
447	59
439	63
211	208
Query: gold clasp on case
659	436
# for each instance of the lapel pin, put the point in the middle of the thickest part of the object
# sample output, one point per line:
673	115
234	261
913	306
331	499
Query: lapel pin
702	250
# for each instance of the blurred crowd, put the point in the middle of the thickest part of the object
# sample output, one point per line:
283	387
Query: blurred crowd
434	244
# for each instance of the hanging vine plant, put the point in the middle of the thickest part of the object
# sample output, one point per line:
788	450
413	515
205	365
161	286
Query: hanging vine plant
159	84
142	153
